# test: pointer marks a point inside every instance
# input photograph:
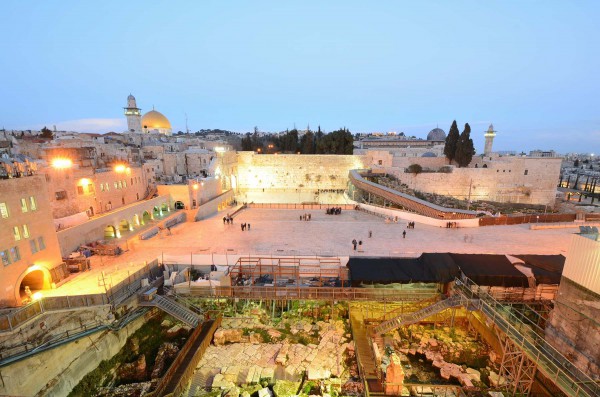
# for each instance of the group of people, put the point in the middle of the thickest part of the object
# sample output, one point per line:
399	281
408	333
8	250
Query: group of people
389	219
228	219
355	243
305	217
410	225
333	211
245	226
451	225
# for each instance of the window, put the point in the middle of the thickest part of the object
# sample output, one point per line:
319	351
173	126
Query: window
17	233
24	205
41	243
32	203
106	186
90	188
60	195
380	162
3	210
124	183
101	187
132	181
5	258
33	245
15	254
526	172
80	190
116	185
25	231
120	185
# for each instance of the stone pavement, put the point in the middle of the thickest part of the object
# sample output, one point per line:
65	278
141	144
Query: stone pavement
280	232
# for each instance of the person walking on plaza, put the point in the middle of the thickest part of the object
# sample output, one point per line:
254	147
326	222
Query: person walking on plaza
248	226
354	244
404	234
370	233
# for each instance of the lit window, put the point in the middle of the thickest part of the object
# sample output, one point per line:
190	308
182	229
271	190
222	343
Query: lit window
5	258
33	246
106	186
90	188
25	231
80	190
17	233
41	243
24	205
120	185
124	183
3	210
101	187
15	254
116	185
32	203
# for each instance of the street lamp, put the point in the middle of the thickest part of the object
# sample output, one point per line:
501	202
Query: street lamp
62	163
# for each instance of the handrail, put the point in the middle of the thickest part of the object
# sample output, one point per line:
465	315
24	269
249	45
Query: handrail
570	379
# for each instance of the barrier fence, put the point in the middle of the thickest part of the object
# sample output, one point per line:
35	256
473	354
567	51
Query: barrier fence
128	287
292	206
535	218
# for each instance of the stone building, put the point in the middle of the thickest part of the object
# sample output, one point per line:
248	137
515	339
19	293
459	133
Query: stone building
29	248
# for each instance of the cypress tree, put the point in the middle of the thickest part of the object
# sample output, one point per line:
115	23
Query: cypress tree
451	142
465	149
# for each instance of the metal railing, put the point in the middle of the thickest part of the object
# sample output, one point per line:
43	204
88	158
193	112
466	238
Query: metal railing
132	284
309	293
20	316
557	368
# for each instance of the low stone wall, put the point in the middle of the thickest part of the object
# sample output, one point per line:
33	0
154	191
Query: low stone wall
212	207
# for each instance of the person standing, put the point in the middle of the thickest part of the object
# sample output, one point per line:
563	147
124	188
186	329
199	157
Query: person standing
404	234
354	244
370	233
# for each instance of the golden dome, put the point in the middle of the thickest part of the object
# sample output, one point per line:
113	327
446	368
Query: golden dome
154	120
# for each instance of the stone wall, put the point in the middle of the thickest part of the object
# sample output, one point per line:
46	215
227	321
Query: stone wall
573	327
291	172
55	372
523	180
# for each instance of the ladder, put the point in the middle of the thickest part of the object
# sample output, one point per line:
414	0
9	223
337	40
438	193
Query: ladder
175	309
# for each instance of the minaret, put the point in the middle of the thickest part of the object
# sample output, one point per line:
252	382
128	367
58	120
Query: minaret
134	115
489	140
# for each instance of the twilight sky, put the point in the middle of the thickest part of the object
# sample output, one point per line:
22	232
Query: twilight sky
530	67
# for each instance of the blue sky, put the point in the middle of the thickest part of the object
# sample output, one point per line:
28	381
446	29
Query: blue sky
530	67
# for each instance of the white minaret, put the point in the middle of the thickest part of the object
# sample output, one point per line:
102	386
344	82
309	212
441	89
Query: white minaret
489	140
134	115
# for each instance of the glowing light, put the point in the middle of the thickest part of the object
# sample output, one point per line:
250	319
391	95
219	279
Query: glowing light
219	149
195	186
62	163
84	181
36	296
120	168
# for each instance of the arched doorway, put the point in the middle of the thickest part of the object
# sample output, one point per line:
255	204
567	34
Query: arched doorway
179	205
36	278
136	220
124	225
110	232
146	217
165	208
157	212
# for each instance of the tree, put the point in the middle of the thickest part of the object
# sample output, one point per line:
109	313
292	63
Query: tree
415	169
576	163
307	144
465	149
247	142
46	133
451	142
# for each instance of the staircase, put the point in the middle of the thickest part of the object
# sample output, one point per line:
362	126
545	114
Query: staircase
411	318
174	309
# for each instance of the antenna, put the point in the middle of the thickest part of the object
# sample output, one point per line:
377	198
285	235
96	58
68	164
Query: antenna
187	130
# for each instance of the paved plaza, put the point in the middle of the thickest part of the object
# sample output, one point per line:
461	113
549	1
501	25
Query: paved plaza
280	232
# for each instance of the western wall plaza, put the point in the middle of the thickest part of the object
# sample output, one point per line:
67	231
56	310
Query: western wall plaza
151	263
